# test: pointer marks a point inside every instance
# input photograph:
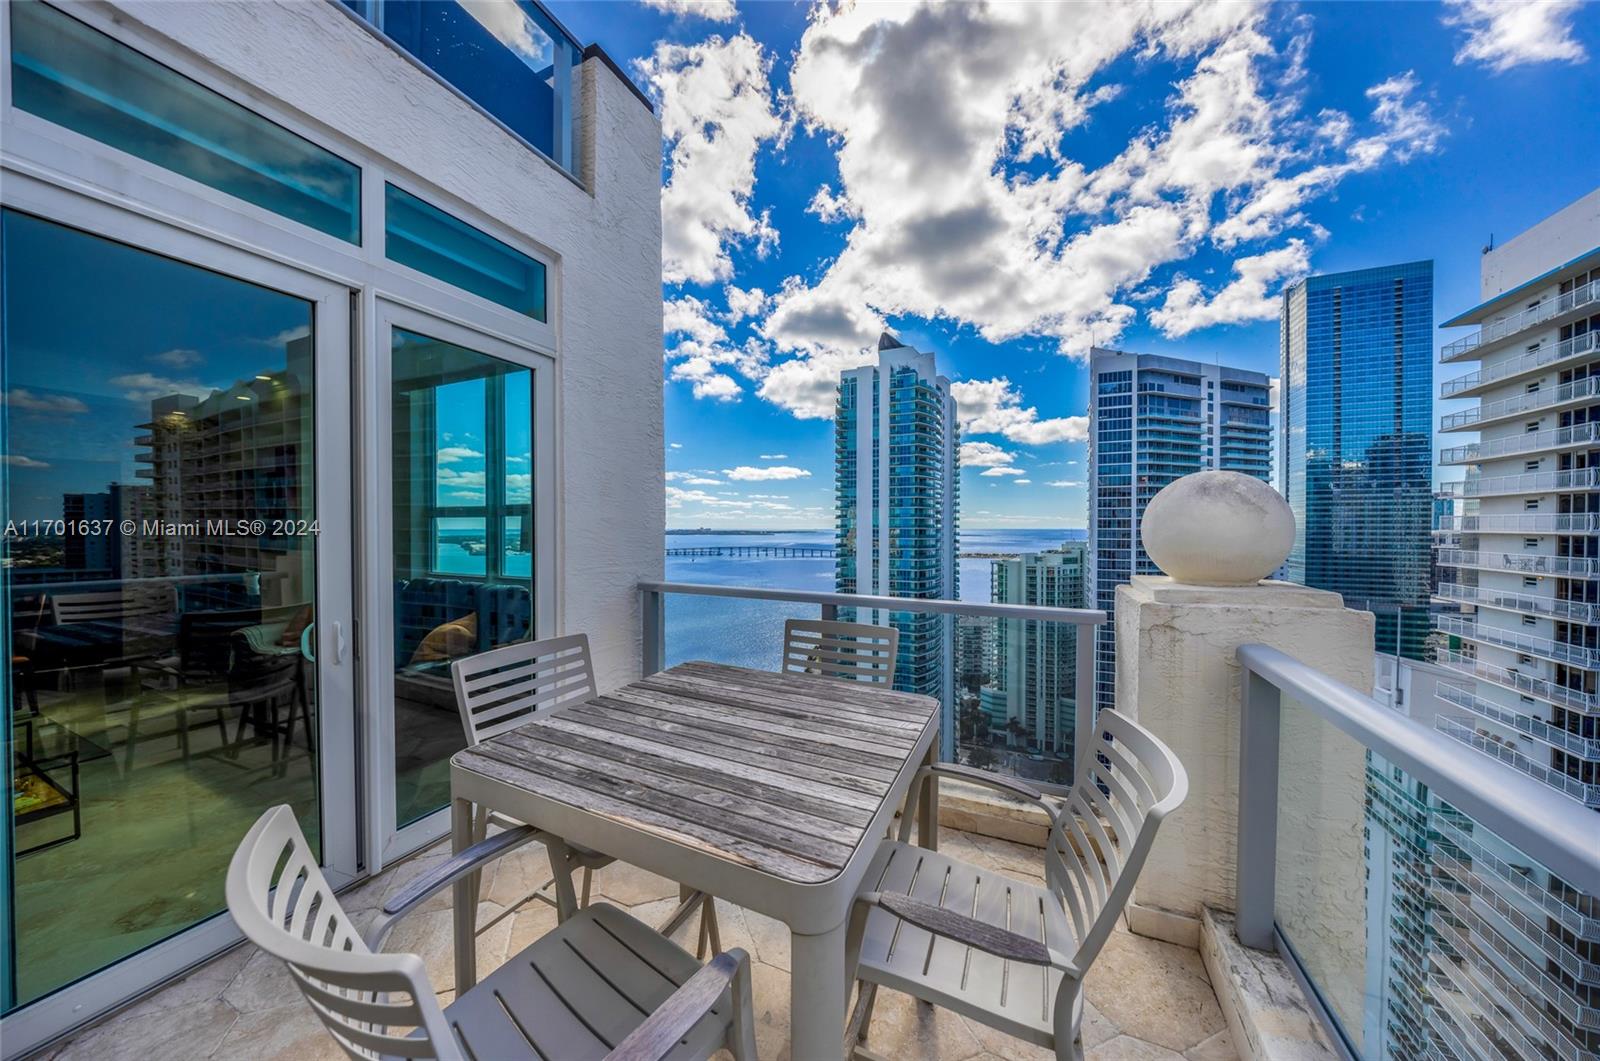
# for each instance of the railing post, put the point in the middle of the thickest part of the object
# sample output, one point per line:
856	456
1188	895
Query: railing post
1083	729
830	613
654	606
1259	715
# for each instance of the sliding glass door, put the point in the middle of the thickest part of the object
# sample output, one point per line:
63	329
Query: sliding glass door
176	580
467	545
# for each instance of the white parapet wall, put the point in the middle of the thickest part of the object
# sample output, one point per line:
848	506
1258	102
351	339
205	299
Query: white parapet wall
1178	674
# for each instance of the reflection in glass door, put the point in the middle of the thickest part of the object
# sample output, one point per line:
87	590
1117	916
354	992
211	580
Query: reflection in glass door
462	481
160	581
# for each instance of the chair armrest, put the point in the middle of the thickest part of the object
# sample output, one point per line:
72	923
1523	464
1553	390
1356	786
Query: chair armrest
442	876
951	925
661	1032
1011	786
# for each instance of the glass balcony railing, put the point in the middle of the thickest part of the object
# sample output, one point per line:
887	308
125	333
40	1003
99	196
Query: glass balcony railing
1009	677
1432	897
1547	354
511	58
1489	744
1533	316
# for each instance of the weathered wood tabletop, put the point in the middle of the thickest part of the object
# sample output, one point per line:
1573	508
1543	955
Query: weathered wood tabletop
770	790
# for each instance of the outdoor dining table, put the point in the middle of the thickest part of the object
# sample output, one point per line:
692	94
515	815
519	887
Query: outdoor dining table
771	791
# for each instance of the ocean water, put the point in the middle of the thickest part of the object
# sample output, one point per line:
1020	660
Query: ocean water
749	633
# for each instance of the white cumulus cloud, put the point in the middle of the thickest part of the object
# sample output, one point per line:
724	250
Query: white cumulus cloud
994	407
716	112
959	196
746	473
1502	34
1251	295
714	10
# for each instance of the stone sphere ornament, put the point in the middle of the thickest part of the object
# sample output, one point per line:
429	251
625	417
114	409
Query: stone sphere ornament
1218	529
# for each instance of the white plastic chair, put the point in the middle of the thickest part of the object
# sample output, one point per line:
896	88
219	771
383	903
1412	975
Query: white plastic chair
507	687
830	649
599	985
1001	952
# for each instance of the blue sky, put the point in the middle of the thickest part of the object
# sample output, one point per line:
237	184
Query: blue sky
1005	186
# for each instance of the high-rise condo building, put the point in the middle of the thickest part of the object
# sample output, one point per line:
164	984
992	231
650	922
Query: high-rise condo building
1525	652
1032	699
1154	419
898	493
1355	434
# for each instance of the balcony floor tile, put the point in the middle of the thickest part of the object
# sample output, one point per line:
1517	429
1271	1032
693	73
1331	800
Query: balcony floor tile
1147	1000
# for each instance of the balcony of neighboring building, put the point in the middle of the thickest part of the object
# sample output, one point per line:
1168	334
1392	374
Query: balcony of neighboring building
1517	641
1492	744
1518	369
1524	563
1548	307
1522	722
1522	603
1552	439
1541	400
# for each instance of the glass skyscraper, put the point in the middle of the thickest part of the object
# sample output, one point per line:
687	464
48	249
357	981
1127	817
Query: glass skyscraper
1154	419
898	498
1355	432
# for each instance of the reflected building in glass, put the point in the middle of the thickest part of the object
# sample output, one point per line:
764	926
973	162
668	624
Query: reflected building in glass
1357	368
1153	419
898	502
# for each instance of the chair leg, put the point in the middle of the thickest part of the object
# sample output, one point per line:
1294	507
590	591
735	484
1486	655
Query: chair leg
708	922
861	1017
742	1036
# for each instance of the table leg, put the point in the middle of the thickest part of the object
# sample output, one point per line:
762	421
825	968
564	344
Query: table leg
818	994
928	809
464	892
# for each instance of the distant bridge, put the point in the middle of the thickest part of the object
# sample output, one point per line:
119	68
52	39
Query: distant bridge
824	552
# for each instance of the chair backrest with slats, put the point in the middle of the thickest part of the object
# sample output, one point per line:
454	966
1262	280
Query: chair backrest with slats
371	1003
112	604
1127	781
851	651
504	688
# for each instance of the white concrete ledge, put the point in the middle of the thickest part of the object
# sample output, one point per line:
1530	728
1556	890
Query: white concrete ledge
1268	1015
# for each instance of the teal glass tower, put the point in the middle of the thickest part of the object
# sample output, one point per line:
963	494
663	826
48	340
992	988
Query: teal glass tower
898	499
1355	435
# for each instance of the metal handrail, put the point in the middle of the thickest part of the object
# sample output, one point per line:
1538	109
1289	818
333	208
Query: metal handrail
1077	616
1548	827
654	629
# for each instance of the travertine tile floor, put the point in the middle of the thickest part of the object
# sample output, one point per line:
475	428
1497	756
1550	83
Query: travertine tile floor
1147	1000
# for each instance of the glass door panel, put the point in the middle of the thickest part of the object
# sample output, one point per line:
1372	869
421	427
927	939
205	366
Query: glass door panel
160	585
462	482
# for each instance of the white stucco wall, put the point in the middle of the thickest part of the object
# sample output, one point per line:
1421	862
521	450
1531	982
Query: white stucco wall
1179	675
606	240
1559	238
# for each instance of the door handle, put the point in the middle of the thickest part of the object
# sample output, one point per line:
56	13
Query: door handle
338	642
308	644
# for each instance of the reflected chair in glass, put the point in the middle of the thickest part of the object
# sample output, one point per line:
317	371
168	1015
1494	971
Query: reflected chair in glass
215	674
851	651
507	687
1007	954
598	985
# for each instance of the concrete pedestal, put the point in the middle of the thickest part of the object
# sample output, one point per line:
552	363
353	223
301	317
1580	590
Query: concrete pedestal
1177	673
